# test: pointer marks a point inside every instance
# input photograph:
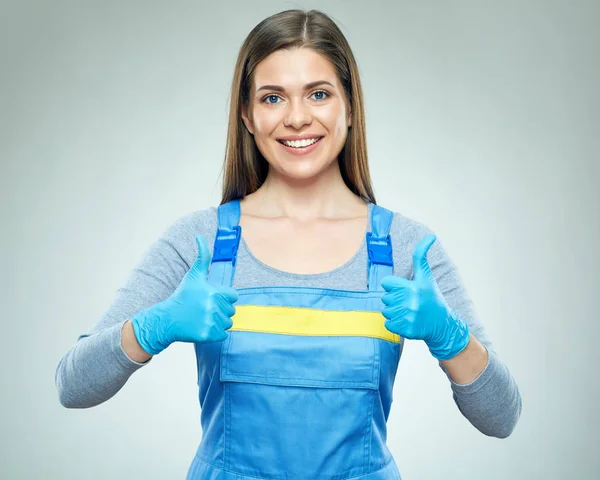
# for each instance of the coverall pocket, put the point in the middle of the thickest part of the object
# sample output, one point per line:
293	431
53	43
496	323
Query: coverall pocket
302	405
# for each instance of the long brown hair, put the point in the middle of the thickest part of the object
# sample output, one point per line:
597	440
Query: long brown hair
245	168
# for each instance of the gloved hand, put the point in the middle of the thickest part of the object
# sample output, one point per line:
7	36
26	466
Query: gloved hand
417	310
196	311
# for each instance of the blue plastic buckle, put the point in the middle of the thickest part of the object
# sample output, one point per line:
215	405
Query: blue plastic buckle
226	244
380	249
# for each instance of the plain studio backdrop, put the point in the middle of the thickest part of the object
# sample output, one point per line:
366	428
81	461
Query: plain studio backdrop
482	121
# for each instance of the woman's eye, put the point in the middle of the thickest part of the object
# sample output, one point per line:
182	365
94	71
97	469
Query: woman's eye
271	99
320	95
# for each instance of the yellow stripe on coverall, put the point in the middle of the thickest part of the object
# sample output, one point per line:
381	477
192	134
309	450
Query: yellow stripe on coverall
311	322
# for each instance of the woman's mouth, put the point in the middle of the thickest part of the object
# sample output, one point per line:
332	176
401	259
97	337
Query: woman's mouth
300	147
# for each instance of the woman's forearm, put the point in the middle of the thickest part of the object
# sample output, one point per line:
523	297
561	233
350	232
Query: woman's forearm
95	368
484	390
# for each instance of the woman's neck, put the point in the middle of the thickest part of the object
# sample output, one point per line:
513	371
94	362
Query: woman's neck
323	197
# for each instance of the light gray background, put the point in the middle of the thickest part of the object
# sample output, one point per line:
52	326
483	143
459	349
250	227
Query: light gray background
483	123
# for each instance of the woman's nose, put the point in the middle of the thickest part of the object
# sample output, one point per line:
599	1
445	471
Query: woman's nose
298	115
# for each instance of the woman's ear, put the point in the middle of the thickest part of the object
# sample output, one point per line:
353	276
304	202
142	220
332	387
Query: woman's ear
247	120
349	108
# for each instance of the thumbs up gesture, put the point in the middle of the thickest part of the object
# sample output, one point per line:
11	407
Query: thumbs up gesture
196	311
416	309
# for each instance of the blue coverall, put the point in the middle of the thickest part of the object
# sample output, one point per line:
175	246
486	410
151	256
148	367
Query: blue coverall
302	386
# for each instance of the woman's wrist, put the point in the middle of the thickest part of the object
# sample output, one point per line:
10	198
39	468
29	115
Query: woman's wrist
469	363
131	346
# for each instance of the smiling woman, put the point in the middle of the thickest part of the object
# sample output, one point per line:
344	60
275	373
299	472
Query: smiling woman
296	380
296	79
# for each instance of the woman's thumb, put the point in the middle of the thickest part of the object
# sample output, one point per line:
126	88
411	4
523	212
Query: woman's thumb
200	267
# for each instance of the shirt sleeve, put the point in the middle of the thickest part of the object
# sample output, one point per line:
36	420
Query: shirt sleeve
491	402
96	367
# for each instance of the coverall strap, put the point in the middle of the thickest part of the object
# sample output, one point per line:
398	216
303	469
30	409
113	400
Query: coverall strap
227	241
379	246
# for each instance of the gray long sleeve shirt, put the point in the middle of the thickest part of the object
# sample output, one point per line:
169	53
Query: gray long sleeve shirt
96	367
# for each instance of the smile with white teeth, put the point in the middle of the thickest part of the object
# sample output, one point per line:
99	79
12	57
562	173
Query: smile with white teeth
300	143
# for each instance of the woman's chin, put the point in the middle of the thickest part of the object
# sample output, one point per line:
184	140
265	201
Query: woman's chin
300	172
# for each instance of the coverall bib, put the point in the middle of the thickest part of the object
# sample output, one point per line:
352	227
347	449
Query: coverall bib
301	389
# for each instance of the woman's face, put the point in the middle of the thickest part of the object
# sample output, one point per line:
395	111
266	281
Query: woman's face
297	112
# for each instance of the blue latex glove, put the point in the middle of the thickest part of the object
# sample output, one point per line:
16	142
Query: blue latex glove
417	310
196	311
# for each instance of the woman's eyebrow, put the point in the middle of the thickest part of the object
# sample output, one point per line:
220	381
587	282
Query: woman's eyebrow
308	86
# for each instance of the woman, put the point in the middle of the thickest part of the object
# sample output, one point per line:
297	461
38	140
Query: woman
296	380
